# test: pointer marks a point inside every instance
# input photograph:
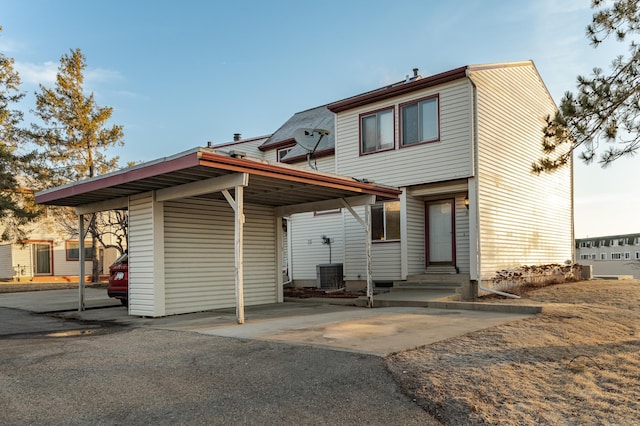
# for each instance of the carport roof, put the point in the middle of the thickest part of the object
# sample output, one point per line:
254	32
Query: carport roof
269	184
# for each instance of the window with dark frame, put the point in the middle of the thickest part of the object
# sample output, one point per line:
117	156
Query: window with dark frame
385	221
377	131
420	121
72	249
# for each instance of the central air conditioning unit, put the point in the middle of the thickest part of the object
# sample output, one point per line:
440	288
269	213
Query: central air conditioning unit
329	276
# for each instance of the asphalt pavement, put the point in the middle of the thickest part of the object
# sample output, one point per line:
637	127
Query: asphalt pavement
290	363
59	371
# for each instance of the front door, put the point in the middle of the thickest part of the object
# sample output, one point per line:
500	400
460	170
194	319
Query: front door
440	244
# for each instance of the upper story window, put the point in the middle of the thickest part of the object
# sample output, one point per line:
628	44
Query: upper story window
282	152
420	121
385	221
73	250
377	131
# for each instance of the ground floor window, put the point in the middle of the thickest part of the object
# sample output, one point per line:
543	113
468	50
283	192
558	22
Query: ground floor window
616	256
73	250
385	221
603	256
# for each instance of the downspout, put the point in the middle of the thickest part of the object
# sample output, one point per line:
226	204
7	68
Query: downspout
476	204
289	254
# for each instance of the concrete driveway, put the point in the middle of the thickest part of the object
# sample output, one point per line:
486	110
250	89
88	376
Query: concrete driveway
378	331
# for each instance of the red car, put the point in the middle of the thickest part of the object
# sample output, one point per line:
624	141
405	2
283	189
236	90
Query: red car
119	279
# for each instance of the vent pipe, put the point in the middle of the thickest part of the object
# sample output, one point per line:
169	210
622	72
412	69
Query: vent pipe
237	137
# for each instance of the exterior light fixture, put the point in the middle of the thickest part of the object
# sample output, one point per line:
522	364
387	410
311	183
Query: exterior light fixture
466	202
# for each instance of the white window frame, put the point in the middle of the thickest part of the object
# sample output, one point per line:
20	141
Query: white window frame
603	256
385	207
616	256
282	152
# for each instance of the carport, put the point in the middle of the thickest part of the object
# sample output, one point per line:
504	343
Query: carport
204	219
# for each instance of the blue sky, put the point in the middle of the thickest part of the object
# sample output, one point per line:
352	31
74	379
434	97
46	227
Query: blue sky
180	74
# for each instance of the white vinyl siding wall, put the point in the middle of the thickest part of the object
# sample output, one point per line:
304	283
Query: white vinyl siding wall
141	256
462	235
450	158
22	260
415	236
6	267
525	219
64	267
306	232
308	250
199	255
385	257
250	148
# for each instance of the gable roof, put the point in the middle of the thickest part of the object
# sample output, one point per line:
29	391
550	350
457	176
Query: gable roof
314	118
416	83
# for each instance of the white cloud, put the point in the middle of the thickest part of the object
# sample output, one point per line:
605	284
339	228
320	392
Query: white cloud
35	74
45	73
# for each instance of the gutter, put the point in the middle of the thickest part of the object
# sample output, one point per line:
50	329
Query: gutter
476	206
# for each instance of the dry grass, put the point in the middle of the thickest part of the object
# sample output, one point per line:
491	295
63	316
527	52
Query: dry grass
577	363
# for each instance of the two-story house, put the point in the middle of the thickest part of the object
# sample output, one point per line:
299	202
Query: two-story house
460	145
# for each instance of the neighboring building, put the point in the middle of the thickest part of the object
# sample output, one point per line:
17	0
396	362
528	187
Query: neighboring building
610	254
49	253
460	146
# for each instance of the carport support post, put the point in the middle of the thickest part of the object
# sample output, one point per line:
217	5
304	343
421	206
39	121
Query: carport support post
81	261
366	225
238	208
367	232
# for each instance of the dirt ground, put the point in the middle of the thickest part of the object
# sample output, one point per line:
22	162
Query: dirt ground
576	363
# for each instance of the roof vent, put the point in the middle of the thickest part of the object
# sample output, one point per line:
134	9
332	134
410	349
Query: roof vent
237	137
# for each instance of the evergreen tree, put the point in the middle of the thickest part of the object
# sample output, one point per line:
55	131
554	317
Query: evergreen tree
16	203
606	108
75	135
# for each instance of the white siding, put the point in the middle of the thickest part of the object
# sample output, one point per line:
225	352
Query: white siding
22	261
308	250
415	236
249	147
462	235
385	261
199	255
307	230
64	267
450	158
141	257
385	257
323	164
524	218
6	266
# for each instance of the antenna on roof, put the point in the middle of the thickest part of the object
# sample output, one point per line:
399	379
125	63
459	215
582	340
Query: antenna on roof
309	139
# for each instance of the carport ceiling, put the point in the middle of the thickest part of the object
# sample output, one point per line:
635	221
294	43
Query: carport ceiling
272	185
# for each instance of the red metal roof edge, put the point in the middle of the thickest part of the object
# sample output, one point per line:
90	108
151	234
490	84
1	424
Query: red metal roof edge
249	166
396	90
142	171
